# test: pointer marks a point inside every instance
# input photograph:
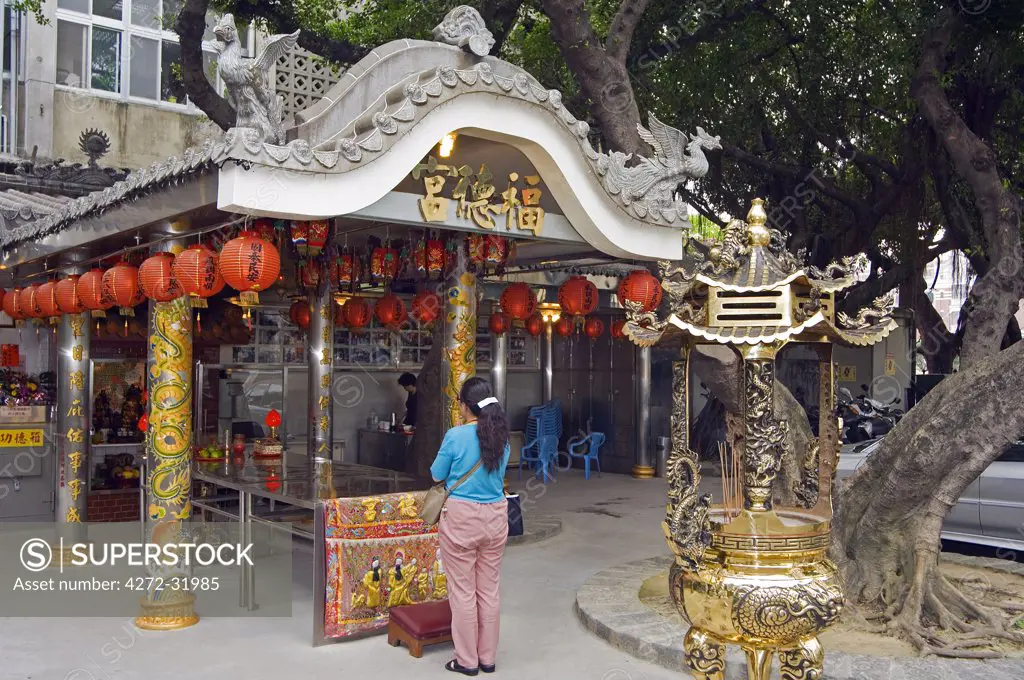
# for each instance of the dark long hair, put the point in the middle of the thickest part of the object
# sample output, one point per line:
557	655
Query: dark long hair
491	424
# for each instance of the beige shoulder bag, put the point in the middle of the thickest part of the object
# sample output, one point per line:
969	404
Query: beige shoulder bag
437	496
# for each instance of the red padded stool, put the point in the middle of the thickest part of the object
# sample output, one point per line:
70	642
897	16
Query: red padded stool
419	625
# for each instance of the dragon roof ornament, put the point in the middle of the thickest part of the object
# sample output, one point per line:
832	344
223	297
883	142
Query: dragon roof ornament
464	27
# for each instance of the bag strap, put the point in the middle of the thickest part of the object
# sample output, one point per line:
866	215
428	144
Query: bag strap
466	476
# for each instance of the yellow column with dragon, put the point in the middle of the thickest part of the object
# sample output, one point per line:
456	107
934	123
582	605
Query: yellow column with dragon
460	334
169	453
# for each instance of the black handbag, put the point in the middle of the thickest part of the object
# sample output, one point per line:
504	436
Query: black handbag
515	515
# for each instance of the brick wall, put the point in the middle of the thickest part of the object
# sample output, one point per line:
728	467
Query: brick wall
114	507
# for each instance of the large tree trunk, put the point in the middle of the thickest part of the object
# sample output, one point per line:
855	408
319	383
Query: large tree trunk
721	370
601	70
887	524
890	514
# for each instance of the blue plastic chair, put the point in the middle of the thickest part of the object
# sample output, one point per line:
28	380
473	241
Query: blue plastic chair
546	447
588	448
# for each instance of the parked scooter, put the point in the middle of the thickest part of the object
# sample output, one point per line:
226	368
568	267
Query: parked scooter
865	418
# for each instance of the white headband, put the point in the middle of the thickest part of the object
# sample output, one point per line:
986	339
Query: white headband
486	402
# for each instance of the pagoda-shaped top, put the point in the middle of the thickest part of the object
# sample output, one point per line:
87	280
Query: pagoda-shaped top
746	288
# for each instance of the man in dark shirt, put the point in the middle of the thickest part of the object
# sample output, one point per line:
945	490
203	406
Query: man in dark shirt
408	381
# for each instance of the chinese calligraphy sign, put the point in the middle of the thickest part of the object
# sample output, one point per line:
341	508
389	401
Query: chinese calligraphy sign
476	199
10	438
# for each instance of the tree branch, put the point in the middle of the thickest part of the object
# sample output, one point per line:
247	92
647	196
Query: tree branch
827	186
620	35
602	78
281	17
995	297
190	26
500	17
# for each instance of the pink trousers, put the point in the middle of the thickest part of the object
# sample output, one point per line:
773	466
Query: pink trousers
472	537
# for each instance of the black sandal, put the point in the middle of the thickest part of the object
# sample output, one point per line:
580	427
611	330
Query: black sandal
487	668
454	667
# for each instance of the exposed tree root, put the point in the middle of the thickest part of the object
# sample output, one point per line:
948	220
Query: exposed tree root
939	620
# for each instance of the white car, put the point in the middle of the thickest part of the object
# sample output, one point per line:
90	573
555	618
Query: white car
991	511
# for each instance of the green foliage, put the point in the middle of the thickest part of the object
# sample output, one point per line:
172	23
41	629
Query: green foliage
818	91
33	7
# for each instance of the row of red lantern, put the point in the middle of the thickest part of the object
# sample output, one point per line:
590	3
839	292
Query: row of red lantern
248	263
390	311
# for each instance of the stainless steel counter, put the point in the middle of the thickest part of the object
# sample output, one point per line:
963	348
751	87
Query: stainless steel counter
383	449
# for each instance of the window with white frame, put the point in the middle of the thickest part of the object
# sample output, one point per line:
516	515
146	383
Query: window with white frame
127	48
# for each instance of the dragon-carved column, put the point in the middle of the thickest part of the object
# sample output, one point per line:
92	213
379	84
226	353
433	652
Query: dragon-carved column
169	453
764	435
460	333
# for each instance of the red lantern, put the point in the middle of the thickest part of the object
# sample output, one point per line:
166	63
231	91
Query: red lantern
347	270
273	418
197	273
499	323
640	287
156	278
357	313
429	257
426	307
249	264
12	304
309	238
300	314
121	284
518	301
90	291
46	299
565	326
495	250
384	262
28	303
593	327
309	274
577	296
68	300
619	329
476	247
143	424
265	228
535	325
390	311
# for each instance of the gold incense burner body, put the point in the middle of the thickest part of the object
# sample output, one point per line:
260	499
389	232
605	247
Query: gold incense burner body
745	572
765	584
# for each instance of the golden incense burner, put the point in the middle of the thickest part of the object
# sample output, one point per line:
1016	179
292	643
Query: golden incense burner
757	576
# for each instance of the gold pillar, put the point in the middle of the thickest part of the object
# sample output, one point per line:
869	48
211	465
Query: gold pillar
828	432
460	334
169	453
764	435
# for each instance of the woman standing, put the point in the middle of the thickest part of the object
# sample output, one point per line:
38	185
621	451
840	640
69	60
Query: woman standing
474	525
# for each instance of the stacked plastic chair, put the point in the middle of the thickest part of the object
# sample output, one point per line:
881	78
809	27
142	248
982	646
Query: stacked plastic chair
542	434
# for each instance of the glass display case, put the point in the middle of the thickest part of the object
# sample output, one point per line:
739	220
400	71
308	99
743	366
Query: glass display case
275	340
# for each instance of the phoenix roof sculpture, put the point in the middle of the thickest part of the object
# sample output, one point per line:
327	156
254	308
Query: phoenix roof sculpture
677	158
249	89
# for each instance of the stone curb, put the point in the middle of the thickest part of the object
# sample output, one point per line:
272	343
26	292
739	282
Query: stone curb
609	606
536	528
